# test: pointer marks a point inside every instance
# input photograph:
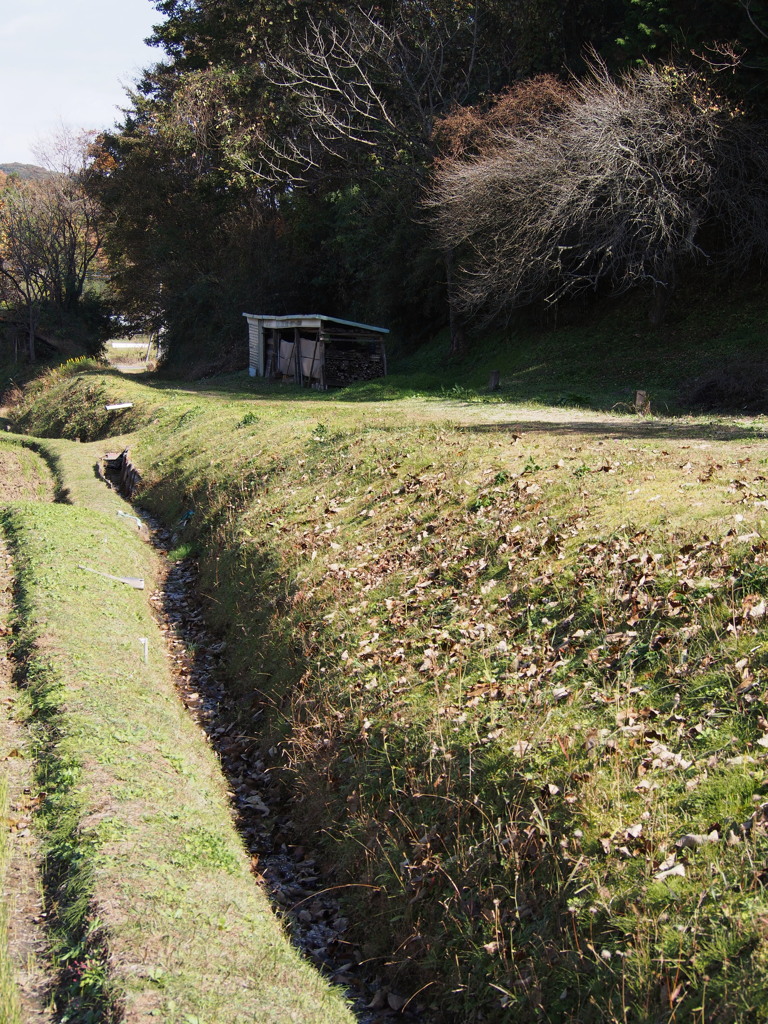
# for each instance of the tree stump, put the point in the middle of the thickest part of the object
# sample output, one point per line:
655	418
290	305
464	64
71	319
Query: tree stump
642	403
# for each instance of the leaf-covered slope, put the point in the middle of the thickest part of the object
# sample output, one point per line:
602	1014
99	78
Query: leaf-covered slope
517	674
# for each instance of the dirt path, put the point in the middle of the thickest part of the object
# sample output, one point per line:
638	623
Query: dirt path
22	885
487	417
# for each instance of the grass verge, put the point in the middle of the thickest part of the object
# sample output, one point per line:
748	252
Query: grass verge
156	912
10	1009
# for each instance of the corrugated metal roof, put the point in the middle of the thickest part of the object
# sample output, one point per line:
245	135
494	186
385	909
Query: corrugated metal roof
318	316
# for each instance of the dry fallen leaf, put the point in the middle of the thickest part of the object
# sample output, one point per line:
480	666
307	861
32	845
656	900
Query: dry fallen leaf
693	840
676	871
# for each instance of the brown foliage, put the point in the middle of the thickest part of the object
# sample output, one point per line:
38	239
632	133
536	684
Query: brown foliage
471	130
626	183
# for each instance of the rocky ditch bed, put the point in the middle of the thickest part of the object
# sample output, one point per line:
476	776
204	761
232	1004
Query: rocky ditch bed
281	860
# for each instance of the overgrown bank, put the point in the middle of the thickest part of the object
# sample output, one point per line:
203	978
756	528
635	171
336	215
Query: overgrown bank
515	672
10	1008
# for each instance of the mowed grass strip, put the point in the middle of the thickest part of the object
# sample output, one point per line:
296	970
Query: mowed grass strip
10	1012
157	911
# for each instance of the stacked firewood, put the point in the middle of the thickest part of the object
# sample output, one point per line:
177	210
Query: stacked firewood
346	367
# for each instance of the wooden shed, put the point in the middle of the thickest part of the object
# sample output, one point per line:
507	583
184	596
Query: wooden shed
321	351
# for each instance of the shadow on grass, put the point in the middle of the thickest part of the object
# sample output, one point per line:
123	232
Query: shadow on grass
606	423
632	430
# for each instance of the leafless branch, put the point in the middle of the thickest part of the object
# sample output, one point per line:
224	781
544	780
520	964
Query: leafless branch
366	86
631	180
49	240
747	5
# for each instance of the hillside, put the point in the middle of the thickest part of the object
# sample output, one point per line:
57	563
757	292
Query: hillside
509	663
709	356
32	171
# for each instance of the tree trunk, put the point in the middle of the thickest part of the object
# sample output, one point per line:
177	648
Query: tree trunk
662	293
32	324
456	328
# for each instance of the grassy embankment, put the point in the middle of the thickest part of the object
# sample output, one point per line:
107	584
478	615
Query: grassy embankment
24	475
154	910
10	1011
9	1000
712	346
516	668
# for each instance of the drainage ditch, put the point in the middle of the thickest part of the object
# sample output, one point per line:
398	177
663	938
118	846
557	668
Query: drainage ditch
280	859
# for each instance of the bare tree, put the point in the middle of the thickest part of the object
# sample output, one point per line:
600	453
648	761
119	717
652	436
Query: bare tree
747	5
49	241
24	232
626	184
72	213
367	91
367	85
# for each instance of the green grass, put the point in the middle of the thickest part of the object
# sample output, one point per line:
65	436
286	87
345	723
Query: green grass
80	411
10	1005
506	662
23	474
10	1010
594	359
153	905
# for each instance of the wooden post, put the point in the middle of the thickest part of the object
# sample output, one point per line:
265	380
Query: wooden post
269	354
260	365
314	356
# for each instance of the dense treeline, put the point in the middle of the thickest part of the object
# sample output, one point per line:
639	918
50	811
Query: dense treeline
286	156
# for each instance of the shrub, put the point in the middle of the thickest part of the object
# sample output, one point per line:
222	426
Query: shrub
738	385
625	182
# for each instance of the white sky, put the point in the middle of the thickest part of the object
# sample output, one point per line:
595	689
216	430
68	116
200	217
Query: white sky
67	62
